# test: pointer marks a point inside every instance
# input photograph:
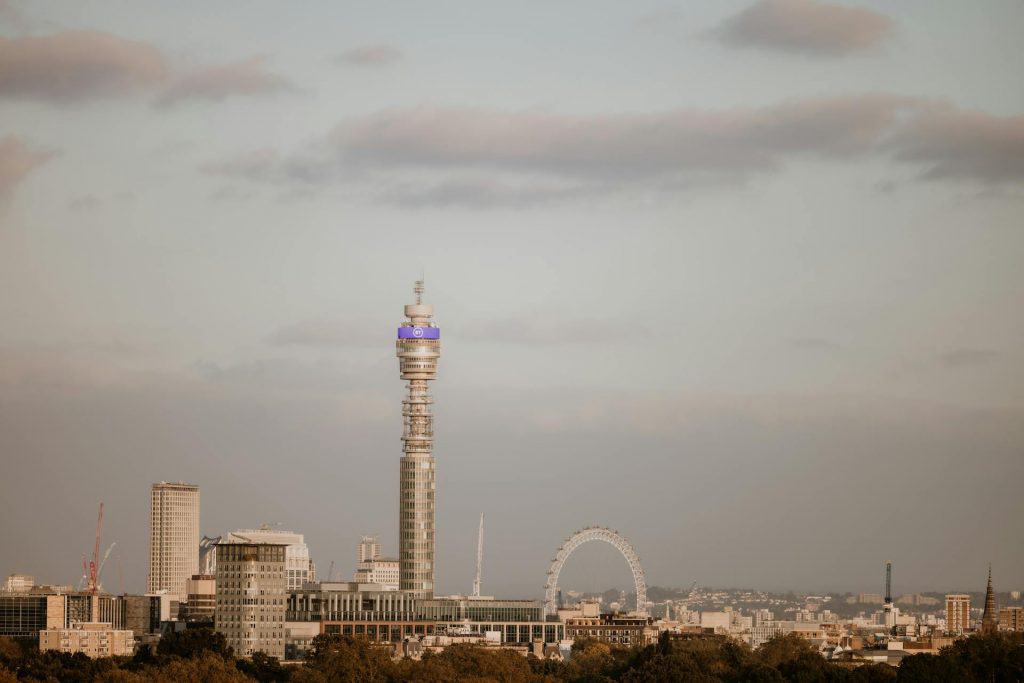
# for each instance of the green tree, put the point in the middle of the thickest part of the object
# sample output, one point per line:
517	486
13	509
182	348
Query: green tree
192	643
925	668
264	668
474	663
872	673
993	657
343	658
205	667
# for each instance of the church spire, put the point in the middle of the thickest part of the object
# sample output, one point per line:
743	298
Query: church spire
988	617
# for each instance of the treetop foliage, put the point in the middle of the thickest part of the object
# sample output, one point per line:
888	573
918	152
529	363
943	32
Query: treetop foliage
202	656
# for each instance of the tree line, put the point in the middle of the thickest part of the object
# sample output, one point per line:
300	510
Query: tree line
203	656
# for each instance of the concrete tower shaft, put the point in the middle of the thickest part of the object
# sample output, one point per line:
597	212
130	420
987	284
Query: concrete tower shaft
418	348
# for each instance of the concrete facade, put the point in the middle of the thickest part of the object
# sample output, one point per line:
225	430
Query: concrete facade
418	347
173	537
299	567
202	598
958	613
94	640
251	598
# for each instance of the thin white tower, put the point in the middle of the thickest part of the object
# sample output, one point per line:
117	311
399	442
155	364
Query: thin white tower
418	348
479	557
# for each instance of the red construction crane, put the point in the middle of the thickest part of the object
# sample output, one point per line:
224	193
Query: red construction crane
94	565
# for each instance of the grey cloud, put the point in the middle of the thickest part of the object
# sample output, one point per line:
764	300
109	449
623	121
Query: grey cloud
245	77
329	333
806	26
17	160
732	143
229	193
87	65
85	202
815	344
270	166
549	329
482	193
12	16
371	56
600	154
967	357
728	145
258	165
960	144
77	65
658	20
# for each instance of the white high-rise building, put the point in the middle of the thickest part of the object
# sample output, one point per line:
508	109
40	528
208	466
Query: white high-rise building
418	348
369	548
251	596
173	537
298	567
19	583
372	568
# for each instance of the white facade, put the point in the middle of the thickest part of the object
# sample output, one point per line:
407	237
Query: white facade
173	537
369	549
19	583
764	632
383	571
252	597
208	554
717	620
298	567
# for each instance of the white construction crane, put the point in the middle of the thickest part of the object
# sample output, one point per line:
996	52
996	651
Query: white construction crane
103	562
479	557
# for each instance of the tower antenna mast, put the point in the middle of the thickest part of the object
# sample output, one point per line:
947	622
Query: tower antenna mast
479	557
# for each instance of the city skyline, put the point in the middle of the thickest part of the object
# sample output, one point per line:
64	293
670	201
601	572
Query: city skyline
731	292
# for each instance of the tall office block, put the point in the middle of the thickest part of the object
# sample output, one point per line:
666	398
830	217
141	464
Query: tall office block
369	549
173	537
418	348
958	613
251	597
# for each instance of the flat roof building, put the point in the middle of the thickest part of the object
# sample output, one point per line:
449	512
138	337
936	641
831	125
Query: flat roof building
173	537
958	613
1011	619
202	598
298	567
251	598
95	639
19	583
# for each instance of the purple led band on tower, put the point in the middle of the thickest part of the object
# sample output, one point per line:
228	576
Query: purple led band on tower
417	332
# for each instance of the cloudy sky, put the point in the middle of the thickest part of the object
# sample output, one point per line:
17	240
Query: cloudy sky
740	279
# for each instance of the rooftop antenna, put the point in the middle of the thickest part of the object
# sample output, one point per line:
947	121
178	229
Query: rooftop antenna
479	558
888	582
419	291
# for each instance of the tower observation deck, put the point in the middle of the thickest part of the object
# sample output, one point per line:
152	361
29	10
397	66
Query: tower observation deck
418	348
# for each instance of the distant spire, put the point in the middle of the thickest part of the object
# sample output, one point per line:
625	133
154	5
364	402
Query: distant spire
988	617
